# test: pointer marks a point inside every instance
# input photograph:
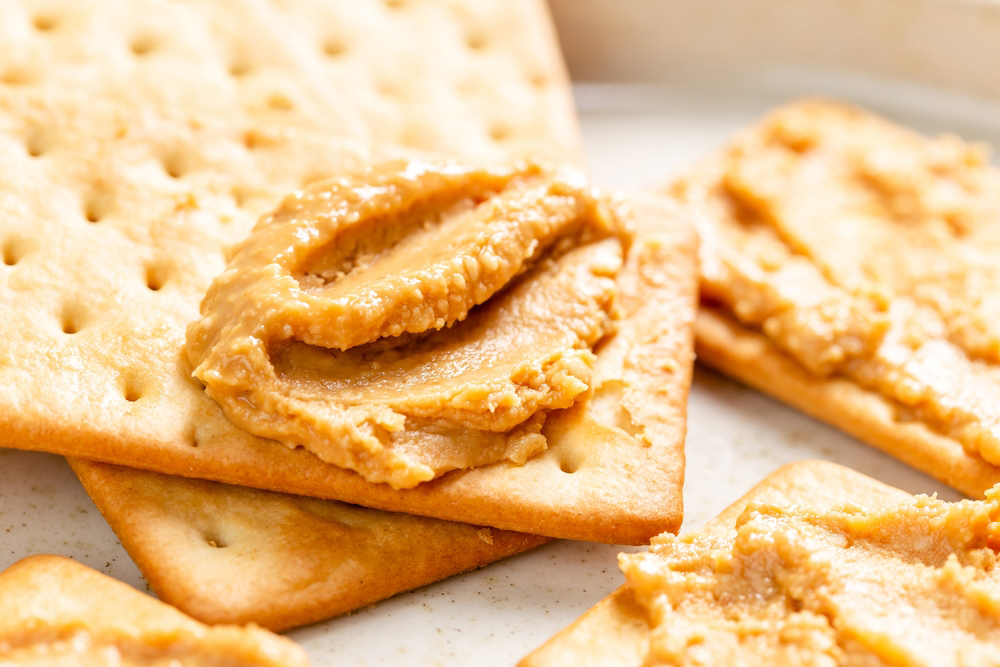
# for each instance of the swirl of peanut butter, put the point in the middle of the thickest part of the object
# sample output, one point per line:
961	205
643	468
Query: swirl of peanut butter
414	318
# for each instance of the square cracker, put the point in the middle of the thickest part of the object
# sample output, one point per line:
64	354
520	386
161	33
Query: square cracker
117	210
54	611
229	554
615	632
877	214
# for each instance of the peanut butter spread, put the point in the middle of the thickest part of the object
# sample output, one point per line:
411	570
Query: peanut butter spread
916	584
54	612
414	318
865	251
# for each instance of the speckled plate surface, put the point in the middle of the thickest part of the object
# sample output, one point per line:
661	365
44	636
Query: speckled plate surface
925	72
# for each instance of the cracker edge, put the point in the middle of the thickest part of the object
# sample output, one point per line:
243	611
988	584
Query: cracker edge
71	588
116	491
614	632
749	357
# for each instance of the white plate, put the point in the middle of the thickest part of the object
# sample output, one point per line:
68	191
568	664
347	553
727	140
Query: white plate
710	67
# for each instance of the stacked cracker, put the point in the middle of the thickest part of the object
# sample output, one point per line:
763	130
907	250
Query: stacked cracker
139	141
849	268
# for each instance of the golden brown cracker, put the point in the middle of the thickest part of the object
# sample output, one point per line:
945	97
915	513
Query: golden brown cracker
228	554
480	80
54	611
850	269
118	211
748	356
615	632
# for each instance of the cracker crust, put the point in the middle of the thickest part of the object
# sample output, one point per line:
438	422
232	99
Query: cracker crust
226	554
614	632
750	358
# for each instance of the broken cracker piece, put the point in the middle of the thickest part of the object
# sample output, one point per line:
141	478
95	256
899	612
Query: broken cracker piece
864	255
54	611
817	564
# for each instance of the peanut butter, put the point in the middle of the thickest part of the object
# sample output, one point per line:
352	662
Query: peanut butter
864	251
916	584
54	612
414	318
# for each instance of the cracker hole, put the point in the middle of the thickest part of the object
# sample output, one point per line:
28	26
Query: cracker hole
131	392
12	254
142	45
215	542
395	4
240	67
280	102
570	462
539	80
17	76
476	41
240	196
38	143
156	277
98	205
71	321
45	23
389	90
334	47
175	164
499	132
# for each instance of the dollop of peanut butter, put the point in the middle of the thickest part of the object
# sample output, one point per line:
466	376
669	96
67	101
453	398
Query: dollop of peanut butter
915	584
414	318
865	251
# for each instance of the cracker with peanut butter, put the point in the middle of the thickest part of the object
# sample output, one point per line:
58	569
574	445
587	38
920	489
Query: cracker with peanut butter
230	554
54	611
139	198
816	565
852	268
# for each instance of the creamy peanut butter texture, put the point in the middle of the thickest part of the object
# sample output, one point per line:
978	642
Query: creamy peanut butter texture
55	612
414	318
864	251
915	584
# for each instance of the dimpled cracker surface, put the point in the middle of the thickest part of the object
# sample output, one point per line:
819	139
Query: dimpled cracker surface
227	554
54	611
477	79
117	211
615	632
